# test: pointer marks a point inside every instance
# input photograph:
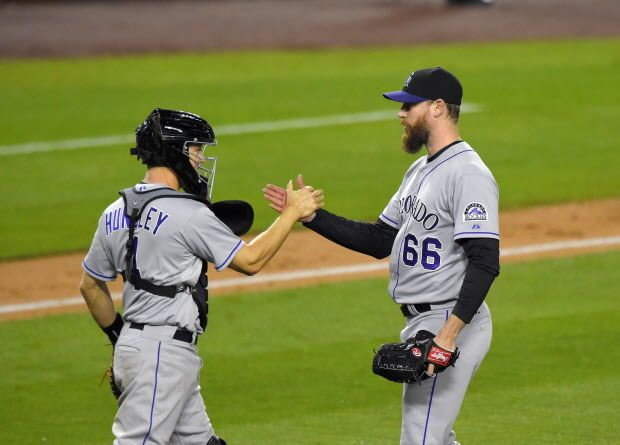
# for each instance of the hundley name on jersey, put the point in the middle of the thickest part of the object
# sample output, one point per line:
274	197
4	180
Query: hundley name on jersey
418	210
117	220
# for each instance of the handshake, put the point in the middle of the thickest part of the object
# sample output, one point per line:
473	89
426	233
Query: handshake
302	203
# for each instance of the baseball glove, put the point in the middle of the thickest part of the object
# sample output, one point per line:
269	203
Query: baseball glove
408	361
109	375
116	391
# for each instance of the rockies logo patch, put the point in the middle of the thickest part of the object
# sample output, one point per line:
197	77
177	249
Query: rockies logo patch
475	212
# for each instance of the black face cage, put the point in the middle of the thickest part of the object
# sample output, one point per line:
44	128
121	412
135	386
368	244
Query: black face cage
204	166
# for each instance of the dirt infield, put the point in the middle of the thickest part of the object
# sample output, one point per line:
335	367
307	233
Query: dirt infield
58	277
60	29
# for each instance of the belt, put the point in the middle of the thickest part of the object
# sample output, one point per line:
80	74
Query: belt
180	334
412	310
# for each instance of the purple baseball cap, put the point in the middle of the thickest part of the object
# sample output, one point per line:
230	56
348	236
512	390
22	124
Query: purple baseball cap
429	84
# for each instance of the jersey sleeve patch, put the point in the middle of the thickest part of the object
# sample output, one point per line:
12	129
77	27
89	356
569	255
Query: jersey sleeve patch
475	211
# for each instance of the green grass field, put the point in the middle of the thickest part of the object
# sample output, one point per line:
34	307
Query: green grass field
293	367
546	129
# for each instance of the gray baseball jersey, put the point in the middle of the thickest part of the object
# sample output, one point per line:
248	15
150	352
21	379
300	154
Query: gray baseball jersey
453	196
174	236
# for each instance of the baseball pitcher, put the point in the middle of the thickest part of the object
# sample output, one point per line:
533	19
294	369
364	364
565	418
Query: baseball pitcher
441	232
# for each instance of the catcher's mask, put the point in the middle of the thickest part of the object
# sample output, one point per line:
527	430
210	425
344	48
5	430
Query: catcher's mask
178	140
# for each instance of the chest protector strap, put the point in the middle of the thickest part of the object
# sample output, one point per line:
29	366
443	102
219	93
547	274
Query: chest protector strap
135	203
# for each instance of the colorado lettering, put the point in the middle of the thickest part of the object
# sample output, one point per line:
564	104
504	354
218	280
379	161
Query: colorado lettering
419	212
117	220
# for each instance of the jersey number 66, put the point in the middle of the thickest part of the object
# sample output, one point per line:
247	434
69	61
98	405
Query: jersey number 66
430	258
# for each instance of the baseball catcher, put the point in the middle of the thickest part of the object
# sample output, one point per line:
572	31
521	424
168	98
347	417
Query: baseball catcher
409	361
160	241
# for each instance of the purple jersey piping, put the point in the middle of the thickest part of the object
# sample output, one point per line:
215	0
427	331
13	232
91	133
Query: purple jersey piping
476	233
388	220
98	275
224	263
153	401
428	412
434	168
398	260
430	401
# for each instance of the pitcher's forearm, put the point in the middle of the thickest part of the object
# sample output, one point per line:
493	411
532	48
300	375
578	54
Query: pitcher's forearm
446	337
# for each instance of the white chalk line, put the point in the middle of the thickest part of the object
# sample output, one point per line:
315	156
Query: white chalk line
322	272
233	129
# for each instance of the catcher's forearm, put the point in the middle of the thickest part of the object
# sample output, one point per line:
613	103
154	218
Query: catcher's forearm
252	257
98	299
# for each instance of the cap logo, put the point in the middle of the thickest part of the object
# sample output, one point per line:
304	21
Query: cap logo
409	79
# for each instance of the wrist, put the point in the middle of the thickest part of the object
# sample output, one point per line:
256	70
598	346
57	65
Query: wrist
316	218
308	219
113	331
446	337
291	214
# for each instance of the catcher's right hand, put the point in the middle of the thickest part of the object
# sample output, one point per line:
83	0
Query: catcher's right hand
408	361
276	196
113	332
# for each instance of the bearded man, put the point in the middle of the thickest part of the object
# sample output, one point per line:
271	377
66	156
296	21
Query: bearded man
441	232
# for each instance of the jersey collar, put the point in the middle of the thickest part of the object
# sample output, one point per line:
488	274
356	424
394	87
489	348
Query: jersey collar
151	186
436	155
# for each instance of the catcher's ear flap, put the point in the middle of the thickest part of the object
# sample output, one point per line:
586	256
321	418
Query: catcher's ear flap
237	215
423	335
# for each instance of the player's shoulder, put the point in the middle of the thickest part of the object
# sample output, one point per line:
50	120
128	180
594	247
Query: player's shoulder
190	211
468	161
184	210
415	166
114	206
183	202
114	213
199	208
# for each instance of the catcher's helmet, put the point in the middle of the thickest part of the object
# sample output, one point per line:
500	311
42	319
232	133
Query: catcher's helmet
163	140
